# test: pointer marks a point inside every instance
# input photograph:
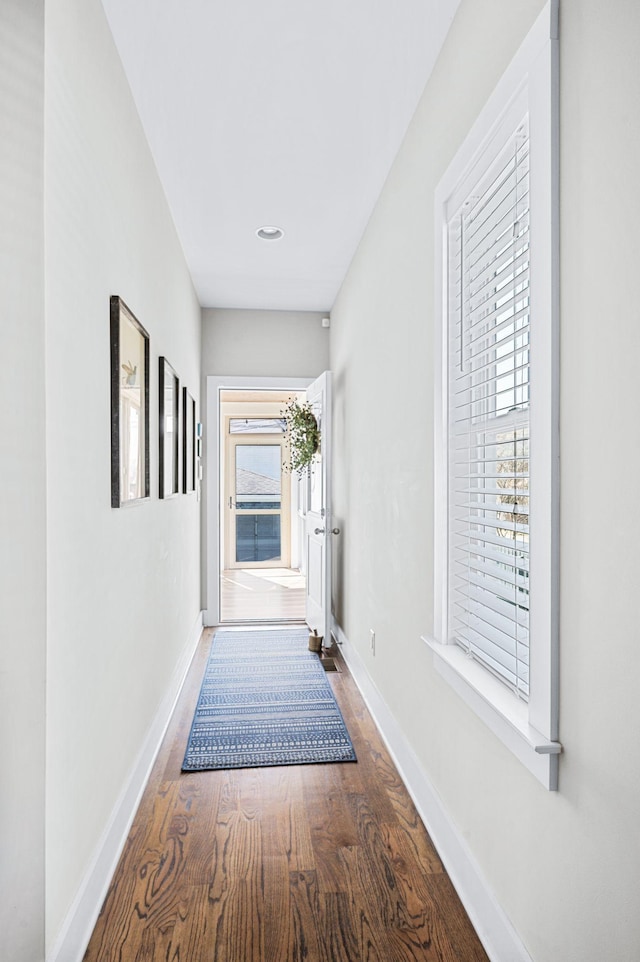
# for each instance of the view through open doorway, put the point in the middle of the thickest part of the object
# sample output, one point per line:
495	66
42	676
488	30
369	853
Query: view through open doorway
262	577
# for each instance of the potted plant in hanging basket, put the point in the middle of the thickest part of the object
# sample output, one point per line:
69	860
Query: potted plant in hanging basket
303	434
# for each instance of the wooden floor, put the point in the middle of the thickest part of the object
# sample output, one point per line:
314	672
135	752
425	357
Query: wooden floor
308	863
262	594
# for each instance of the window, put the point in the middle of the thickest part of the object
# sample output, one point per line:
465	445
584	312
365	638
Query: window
257	425
488	417
495	631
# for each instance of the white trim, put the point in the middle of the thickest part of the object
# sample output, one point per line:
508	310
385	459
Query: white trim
505	715
216	383
76	930
500	940
545	341
508	88
532	75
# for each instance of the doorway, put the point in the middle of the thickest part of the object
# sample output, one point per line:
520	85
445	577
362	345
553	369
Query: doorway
262	577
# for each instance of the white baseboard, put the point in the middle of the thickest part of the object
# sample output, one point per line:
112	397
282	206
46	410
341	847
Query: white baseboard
499	938
76	930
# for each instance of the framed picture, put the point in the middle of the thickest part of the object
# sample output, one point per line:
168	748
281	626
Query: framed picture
169	394
188	443
129	407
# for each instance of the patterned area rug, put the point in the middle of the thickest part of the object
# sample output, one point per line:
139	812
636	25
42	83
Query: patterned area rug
265	700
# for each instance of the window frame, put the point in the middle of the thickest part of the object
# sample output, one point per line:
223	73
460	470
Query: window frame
530	85
482	329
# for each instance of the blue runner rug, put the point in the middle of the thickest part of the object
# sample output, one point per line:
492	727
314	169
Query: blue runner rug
265	700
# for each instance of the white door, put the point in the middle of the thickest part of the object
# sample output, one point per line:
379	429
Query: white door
257	503
318	519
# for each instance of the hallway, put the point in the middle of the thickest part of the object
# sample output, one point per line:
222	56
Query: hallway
326	863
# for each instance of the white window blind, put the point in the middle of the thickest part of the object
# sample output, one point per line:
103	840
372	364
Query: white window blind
488	277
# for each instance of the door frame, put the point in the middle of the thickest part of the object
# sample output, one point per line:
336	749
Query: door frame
211	559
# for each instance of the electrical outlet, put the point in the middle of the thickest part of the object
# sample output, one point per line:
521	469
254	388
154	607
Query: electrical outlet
372	641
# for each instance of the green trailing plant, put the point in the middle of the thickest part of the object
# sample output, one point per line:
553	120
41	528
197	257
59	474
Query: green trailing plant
303	434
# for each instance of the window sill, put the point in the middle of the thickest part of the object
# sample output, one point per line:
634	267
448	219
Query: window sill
499	709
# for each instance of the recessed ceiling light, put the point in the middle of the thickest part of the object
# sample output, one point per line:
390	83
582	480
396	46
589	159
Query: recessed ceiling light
270	233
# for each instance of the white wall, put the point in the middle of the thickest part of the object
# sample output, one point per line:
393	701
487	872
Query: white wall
264	343
564	866
123	584
22	482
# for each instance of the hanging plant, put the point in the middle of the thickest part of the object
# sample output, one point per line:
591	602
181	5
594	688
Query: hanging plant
303	434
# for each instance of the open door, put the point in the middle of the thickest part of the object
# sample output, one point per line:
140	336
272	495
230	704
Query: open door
318	518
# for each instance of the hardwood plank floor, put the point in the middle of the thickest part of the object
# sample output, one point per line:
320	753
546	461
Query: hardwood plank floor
262	594
308	863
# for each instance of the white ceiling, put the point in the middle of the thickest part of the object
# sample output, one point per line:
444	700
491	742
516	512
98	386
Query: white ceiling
275	112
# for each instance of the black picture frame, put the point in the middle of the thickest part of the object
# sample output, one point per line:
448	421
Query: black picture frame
129	349
169	427
188	442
